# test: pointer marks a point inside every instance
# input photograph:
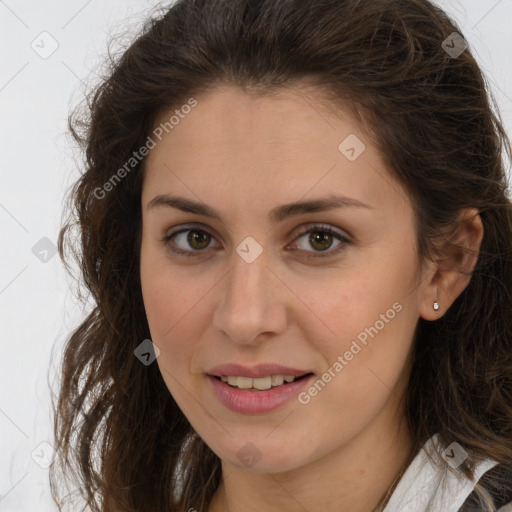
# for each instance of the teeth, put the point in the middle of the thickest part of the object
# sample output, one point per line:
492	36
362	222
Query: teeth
243	382
261	383
277	380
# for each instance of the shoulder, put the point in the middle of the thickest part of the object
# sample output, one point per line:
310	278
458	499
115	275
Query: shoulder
498	483
430	484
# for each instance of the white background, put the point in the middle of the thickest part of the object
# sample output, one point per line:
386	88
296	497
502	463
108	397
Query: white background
38	310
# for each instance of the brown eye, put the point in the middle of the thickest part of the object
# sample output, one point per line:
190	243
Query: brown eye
317	241
320	240
201	238
188	242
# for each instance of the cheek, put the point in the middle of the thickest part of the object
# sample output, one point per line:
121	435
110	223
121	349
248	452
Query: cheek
371	315
355	301
365	362
167	296
164	306
174	304
164	309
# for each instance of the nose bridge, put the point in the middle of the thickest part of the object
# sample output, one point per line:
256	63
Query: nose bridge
249	280
249	304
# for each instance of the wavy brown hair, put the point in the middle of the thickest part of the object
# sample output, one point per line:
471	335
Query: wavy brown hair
119	435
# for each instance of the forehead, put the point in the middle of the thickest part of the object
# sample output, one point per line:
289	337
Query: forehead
242	122
278	148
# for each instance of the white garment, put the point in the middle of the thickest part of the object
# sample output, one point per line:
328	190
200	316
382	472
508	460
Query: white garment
424	487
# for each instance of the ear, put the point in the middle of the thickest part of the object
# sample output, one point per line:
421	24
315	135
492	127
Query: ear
451	273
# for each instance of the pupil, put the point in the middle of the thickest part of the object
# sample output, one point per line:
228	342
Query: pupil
319	237
199	237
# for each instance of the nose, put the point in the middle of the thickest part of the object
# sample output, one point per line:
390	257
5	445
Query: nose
252	305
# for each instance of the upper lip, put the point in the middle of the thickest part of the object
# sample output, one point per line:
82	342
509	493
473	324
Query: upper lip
260	370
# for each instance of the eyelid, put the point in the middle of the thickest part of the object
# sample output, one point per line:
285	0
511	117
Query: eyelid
183	228
319	226
343	237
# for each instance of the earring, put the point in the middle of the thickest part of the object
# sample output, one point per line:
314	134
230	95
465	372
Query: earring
436	306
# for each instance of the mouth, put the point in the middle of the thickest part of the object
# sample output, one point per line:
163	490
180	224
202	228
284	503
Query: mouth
241	394
256	385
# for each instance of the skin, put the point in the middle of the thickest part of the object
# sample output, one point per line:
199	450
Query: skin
243	156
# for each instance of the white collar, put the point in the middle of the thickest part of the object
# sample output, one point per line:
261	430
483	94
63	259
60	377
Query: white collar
424	487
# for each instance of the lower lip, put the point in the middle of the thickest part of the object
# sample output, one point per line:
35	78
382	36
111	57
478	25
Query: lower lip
257	402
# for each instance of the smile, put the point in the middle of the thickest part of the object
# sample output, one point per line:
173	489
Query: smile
245	397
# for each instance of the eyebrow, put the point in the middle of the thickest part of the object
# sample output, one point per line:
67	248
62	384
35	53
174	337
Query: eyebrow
277	214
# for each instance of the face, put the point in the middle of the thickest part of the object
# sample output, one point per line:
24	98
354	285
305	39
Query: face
328	290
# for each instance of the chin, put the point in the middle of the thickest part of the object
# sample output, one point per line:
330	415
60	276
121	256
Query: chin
262	456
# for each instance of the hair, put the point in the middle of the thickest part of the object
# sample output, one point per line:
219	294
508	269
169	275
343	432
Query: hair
119	434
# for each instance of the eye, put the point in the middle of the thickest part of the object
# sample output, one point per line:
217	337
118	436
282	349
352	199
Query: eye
196	238
192	241
320	238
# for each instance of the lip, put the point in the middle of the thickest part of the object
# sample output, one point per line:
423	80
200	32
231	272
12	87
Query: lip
260	370
257	402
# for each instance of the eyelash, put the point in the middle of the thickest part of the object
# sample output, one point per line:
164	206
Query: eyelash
321	228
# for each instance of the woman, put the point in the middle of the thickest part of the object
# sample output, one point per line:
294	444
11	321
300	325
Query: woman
295	228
